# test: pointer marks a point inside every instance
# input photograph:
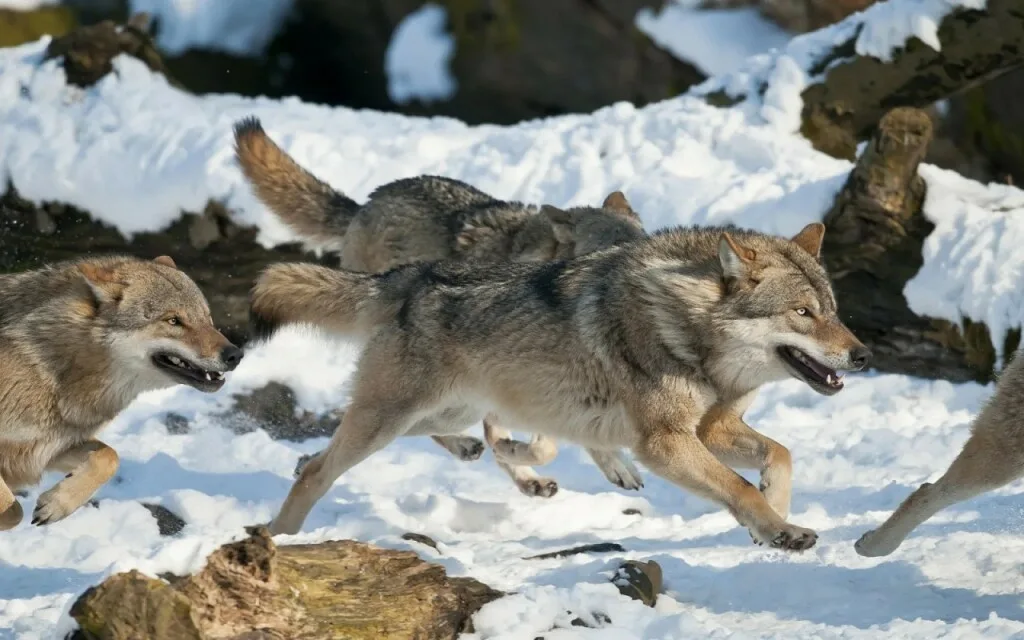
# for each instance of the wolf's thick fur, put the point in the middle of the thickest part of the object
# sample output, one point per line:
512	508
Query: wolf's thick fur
79	341
992	457
430	218
658	346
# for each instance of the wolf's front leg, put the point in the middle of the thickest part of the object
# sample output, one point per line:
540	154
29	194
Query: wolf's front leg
88	466
677	455
619	470
10	509
515	458
733	442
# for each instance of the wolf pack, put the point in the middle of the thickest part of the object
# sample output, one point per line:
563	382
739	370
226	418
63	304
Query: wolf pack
572	324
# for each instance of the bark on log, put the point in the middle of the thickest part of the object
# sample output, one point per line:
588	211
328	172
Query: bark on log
876	229
253	589
856	91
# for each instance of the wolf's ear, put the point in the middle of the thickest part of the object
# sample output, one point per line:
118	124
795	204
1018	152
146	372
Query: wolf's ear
165	261
809	239
562	223
616	203
735	259
102	283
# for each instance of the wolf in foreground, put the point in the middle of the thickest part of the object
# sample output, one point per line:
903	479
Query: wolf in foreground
658	346
79	341
430	218
992	457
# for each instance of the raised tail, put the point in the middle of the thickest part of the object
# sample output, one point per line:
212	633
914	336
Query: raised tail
344	303
313	209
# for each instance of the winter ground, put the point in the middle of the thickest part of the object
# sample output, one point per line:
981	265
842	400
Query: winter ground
856	455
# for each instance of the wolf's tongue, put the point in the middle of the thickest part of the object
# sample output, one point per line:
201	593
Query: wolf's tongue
819	368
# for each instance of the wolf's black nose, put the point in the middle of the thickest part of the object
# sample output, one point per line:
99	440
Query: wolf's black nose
860	356
231	356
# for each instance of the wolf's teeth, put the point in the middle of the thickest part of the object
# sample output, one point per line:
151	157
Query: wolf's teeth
218	376
828	378
208	377
839	375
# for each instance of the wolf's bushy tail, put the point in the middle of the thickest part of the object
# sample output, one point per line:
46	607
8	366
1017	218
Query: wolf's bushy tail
312	208
344	303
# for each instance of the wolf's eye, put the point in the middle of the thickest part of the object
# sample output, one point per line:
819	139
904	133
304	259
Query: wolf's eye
802	311
174	321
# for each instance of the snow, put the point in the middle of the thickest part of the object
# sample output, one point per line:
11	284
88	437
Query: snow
239	27
418	57
135	153
856	455
716	41
878	31
26	5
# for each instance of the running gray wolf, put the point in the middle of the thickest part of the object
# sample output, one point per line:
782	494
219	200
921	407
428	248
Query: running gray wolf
79	341
430	218
658	346
992	457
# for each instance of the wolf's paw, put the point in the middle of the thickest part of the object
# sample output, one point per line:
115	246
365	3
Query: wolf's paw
467	448
623	474
789	538
12	516
54	505
873	545
539	487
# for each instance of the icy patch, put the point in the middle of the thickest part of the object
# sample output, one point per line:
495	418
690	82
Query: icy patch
974	259
239	27
418	58
716	41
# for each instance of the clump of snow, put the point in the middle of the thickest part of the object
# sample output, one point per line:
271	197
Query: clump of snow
417	60
716	41
973	260
239	27
878	31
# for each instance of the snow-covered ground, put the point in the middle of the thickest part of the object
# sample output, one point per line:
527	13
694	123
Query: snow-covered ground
135	152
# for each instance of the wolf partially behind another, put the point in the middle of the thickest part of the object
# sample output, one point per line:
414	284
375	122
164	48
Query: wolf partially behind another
79	341
431	218
658	346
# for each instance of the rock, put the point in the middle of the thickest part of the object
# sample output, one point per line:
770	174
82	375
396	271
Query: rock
253	589
176	424
273	409
639	580
599	547
168	522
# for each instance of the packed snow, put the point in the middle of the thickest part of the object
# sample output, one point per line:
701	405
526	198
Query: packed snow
239	27
716	41
417	60
856	455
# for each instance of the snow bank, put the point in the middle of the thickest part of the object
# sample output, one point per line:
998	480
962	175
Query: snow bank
239	27
716	41
418	57
878	31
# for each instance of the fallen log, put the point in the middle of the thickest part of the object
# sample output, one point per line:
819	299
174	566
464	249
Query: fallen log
253	589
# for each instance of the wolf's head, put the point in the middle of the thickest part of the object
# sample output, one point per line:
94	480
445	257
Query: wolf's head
157	324
778	312
564	234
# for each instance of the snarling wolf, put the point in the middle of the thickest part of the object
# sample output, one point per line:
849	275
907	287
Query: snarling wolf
79	341
430	218
658	345
992	457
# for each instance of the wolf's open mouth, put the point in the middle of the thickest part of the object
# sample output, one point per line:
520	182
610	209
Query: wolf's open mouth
188	373
821	378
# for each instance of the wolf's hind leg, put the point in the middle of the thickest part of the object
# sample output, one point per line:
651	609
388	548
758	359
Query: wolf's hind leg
11	512
540	450
984	464
88	466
